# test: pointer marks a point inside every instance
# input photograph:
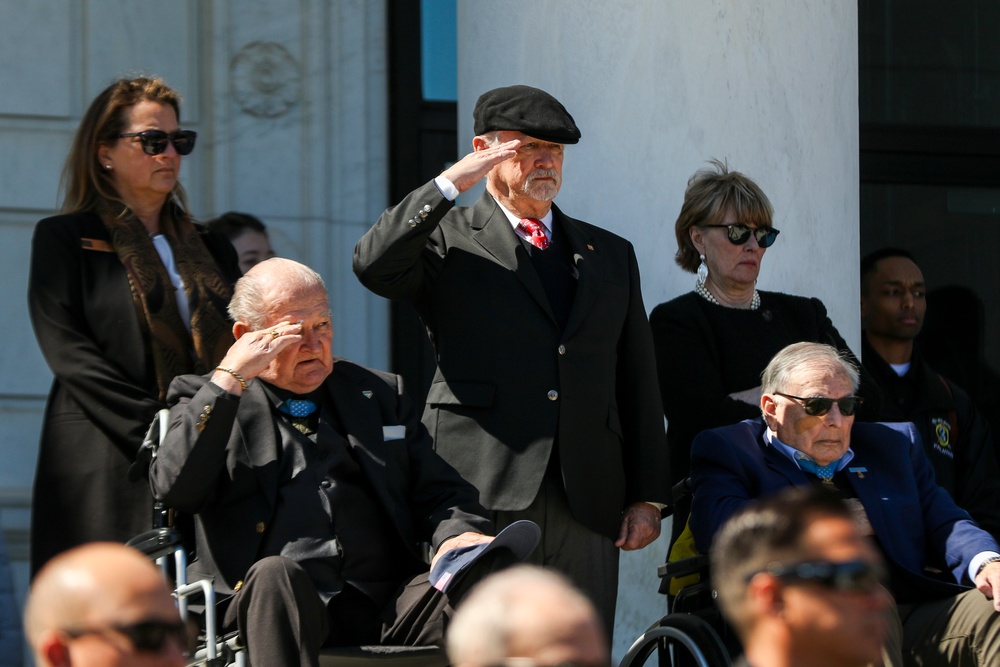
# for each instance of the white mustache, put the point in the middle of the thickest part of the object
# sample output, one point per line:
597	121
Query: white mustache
543	173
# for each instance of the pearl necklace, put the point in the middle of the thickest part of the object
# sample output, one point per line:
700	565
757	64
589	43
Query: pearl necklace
700	288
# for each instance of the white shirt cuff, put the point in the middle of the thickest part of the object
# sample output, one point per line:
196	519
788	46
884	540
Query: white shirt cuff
977	561
447	188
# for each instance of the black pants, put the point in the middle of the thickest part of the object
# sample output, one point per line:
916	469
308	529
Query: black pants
283	621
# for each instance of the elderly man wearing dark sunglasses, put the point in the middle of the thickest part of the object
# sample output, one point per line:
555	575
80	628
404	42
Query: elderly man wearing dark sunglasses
103	605
800	583
936	555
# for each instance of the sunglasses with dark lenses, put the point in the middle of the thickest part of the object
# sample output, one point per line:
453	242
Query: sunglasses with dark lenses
739	234
147	636
852	576
155	142
817	406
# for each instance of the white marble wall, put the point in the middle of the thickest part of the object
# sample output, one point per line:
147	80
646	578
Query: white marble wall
289	99
658	87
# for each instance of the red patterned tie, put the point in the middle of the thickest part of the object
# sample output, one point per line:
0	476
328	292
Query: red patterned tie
534	232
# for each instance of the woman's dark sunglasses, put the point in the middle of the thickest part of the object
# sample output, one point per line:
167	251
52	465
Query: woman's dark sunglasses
817	406
739	233
155	142
147	636
852	576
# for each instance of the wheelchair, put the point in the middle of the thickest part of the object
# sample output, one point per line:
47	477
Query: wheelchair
693	631
167	546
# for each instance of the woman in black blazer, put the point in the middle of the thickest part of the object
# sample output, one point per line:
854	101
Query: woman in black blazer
125	293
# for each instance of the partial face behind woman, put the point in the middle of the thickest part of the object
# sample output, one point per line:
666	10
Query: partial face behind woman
143	181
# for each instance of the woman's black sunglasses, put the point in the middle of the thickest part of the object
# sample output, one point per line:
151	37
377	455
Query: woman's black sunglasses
817	406
739	234
155	142
853	576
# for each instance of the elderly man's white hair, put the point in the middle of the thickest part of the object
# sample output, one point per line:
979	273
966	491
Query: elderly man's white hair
518	610
250	297
791	359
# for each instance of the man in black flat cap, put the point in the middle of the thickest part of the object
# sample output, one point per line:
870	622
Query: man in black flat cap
545	395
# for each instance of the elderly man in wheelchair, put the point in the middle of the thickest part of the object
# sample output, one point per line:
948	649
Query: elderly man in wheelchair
944	571
312	483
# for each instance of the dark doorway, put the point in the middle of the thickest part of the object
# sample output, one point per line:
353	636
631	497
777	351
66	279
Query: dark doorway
423	139
929	93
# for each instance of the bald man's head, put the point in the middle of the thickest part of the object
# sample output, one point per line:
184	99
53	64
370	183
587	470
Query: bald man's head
526	612
88	605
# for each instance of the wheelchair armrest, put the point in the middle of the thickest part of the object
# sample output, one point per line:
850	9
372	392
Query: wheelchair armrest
683	567
157	543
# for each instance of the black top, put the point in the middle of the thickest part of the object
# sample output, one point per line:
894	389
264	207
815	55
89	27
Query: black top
704	352
100	403
955	435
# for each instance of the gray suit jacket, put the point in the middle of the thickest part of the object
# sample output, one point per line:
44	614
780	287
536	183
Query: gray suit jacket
219	461
510	384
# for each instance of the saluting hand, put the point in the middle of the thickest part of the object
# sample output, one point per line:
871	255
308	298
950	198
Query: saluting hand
252	352
473	167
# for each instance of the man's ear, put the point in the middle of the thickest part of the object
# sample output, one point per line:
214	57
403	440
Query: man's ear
239	329
765	596
480	143
53	649
769	407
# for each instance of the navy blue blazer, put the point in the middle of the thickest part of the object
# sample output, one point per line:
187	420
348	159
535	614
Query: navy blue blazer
915	520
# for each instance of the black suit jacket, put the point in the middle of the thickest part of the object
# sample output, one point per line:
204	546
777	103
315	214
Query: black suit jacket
227	472
510	384
103	396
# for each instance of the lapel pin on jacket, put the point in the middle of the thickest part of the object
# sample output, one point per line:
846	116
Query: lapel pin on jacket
367	393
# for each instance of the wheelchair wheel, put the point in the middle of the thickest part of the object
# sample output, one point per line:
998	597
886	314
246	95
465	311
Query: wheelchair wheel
679	639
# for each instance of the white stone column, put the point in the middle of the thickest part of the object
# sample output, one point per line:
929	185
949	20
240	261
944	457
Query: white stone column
657	88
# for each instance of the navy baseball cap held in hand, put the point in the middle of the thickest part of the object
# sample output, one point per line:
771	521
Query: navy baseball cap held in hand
520	538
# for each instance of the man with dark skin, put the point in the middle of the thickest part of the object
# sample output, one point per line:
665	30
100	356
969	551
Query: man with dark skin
956	436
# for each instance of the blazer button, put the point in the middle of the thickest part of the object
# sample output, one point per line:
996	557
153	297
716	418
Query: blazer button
412	222
562	349
553	394
260	527
325	484
426	208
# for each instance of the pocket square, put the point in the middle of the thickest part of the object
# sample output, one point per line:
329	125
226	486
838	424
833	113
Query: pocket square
397	432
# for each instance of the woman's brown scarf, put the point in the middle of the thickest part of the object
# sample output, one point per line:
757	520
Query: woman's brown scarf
174	350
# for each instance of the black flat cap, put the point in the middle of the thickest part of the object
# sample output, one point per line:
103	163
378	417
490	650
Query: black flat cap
525	109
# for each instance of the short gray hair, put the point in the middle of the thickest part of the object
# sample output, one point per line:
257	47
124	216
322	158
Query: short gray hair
249	304
492	137
794	357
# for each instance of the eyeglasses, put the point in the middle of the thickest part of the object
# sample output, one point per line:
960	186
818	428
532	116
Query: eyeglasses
739	233
155	142
817	406
852	576
146	636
